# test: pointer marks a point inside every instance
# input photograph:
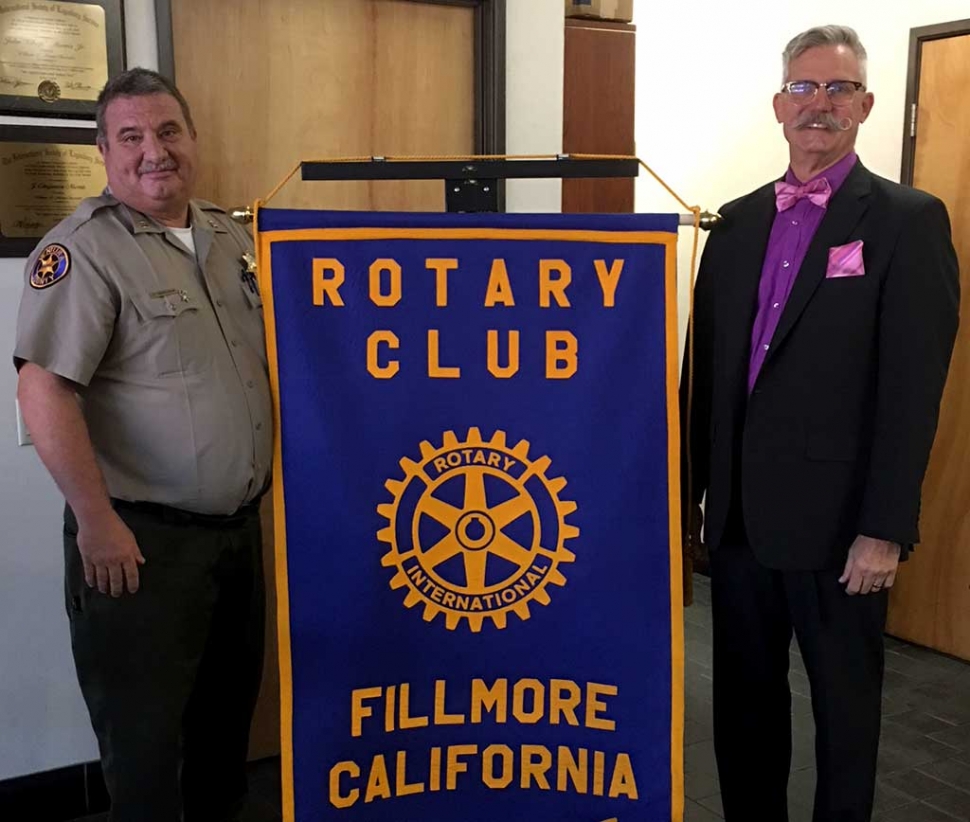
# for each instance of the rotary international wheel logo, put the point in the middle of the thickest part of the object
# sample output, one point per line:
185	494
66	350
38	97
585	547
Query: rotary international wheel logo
476	530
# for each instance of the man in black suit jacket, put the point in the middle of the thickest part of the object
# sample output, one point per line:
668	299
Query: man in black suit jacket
825	314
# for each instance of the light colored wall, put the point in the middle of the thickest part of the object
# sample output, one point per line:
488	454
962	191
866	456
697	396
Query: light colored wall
140	35
43	723
706	76
534	74
42	719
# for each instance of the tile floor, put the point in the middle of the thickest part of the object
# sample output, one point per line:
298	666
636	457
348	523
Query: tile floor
924	758
924	754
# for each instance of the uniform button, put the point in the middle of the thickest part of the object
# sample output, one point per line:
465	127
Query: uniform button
251	384
785	264
776	305
794	222
219	303
259	426
234	343
766	346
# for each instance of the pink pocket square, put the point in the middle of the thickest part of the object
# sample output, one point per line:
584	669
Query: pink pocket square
845	261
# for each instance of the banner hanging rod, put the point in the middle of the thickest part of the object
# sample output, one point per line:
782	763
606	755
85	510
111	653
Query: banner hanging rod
381	168
473	185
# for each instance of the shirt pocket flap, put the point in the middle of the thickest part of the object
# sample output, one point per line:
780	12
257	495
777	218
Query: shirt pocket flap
171	332
166	302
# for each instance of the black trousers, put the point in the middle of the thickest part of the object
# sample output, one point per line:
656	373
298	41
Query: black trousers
171	674
755	611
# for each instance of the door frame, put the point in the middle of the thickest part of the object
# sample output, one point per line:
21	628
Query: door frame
918	36
490	20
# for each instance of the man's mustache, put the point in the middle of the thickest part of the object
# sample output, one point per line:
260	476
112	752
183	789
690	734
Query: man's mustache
167	165
820	118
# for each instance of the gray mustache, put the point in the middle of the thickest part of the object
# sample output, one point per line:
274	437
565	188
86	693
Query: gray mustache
168	165
821	118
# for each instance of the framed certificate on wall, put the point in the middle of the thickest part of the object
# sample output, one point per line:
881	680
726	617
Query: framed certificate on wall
45	172
56	56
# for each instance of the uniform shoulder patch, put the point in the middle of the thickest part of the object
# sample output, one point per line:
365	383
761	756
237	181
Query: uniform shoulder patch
52	265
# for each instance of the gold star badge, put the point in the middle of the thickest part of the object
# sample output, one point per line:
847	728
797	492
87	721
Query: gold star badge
52	266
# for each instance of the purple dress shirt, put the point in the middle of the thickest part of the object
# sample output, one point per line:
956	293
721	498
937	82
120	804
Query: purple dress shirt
791	234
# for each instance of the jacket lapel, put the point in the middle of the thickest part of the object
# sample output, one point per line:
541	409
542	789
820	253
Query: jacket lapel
841	217
740	296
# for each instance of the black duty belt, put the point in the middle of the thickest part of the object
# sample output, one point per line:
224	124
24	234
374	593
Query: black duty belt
178	516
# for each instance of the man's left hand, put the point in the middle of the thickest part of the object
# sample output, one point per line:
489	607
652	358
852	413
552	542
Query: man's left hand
871	566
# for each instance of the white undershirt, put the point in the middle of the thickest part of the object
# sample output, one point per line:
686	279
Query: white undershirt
184	236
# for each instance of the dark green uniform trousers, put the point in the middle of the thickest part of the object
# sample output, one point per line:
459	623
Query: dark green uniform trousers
171	674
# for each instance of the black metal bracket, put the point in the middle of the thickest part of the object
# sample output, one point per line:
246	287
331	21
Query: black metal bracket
471	185
467	196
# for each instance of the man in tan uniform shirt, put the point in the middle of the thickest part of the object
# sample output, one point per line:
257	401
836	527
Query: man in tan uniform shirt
143	382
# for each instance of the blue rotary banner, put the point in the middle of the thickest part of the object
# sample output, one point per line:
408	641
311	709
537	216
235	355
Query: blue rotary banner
477	515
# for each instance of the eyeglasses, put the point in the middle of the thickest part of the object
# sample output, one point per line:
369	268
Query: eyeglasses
838	91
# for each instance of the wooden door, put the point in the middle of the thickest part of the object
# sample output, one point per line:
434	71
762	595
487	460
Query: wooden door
930	604
292	80
598	108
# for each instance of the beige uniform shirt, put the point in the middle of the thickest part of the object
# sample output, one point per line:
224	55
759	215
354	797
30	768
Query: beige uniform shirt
167	346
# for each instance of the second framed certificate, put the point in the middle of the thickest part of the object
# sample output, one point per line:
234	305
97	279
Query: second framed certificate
45	172
56	56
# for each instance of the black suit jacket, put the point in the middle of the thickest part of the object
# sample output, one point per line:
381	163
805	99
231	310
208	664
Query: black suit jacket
834	440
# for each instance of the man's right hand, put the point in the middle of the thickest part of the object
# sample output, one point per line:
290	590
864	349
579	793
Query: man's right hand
110	554
108	549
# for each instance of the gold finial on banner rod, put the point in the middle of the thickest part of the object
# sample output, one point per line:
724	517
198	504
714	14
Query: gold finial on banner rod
242	214
708	219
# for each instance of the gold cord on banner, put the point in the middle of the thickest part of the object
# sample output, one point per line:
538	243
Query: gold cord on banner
686	516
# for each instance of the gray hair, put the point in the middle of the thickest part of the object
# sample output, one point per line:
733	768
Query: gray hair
823	36
138	82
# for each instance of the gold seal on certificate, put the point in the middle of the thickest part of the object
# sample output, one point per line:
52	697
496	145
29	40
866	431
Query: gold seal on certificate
48	91
52	51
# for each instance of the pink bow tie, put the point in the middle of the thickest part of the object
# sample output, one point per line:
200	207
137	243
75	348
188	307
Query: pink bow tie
818	192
